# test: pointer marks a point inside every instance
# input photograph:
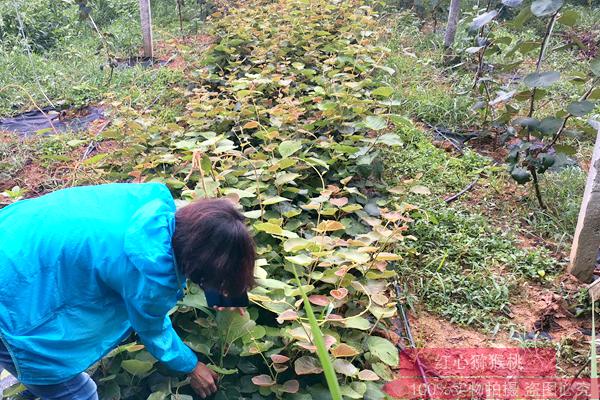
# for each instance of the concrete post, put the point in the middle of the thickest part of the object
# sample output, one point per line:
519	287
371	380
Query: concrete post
146	22
587	235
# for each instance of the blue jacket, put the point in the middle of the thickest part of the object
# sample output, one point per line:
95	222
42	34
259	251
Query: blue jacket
81	267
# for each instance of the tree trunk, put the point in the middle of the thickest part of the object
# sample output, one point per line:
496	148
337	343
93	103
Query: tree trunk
146	22
453	15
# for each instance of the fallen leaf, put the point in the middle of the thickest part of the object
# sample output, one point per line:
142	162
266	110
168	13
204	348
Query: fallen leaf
420	189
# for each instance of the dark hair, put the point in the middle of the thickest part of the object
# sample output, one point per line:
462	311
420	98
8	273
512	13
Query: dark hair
213	247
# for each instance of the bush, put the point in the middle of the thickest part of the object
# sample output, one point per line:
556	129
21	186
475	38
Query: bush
44	23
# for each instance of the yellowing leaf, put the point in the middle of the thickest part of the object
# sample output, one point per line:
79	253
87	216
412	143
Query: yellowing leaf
327	226
251	125
387	257
273	229
344	350
297	244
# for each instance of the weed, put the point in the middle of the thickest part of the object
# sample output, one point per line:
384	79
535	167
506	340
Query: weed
425	91
563	191
460	266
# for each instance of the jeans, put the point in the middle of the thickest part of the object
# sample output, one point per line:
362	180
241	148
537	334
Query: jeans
81	387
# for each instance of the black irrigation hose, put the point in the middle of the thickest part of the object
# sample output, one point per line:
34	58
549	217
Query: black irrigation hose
407	331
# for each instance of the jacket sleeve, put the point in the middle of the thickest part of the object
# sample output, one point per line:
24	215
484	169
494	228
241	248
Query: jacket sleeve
148	282
148	304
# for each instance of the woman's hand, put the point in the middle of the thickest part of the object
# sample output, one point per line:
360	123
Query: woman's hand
203	380
240	310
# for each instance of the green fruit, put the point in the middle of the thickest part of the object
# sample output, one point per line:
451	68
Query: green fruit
520	175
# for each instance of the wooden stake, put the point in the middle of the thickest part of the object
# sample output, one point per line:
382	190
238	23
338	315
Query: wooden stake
146	22
587	235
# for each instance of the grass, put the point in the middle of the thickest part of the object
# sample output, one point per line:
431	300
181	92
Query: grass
562	192
460	266
74	71
426	93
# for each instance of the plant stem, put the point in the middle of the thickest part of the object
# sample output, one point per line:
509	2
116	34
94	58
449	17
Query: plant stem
536	185
538	64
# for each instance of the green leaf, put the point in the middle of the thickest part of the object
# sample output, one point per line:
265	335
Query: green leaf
384	91
158	396
13	390
285	177
383	371
274	230
297	244
181	397
345	367
581	108
357	323
195	300
375	123
289	147
221	370
300	259
550	125
520	175
137	367
595	66
231	326
568	17
198	344
541	79
522	17
110	391
565	149
384	350
544	8
390	139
